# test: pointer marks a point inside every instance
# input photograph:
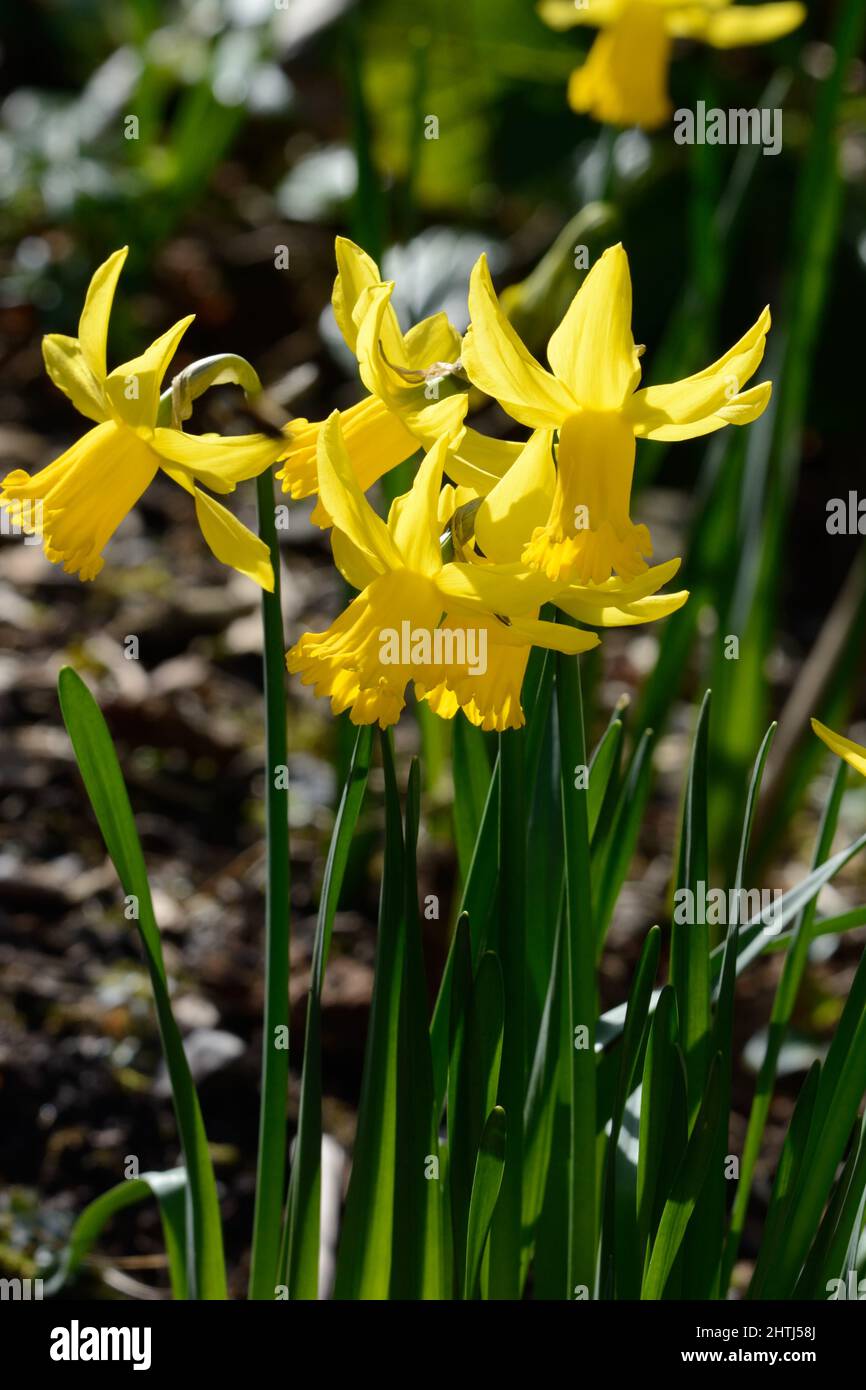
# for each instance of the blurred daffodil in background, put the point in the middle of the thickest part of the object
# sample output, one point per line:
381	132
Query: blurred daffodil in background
624	80
78	501
592	411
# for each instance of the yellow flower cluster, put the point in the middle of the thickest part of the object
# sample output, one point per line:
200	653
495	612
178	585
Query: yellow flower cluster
450	585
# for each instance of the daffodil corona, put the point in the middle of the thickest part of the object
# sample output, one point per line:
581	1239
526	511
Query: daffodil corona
79	500
624	80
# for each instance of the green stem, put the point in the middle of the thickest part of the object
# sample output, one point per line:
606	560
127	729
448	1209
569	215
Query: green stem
271	1167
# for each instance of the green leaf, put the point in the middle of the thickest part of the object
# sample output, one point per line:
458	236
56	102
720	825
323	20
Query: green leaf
417	1270
663	1133
685	1189
486	1187
168	1188
472	773
634	1038
300	1261
103	780
780	1016
365	1253
840	1091
579	992
474	1092
690	942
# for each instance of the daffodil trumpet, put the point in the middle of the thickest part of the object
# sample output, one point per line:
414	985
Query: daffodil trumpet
78	501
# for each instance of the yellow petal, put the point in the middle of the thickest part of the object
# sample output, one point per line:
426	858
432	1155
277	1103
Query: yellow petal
853	753
219	461
77	502
93	324
66	365
624	79
593	350
476	461
644	610
413	520
508	589
428	408
519	502
375	438
345	502
356	272
433	340
134	387
232	543
744	24
500	364
351	561
710	398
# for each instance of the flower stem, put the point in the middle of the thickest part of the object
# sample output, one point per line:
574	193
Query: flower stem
271	1167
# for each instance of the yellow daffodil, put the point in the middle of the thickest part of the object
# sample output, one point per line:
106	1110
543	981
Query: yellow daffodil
413	398
583	530
77	502
853	753
624	80
461	633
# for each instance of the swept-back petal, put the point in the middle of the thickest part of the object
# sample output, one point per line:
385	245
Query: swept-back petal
744	24
356	272
501	365
853	753
621	614
413	520
508	589
519	502
134	387
345	502
66	365
478	462
698	399
232	543
219	461
93	324
593	350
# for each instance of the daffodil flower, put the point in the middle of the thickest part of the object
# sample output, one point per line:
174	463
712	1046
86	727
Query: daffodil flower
77	502
416	618
583	530
411	401
417	392
624	80
853	753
